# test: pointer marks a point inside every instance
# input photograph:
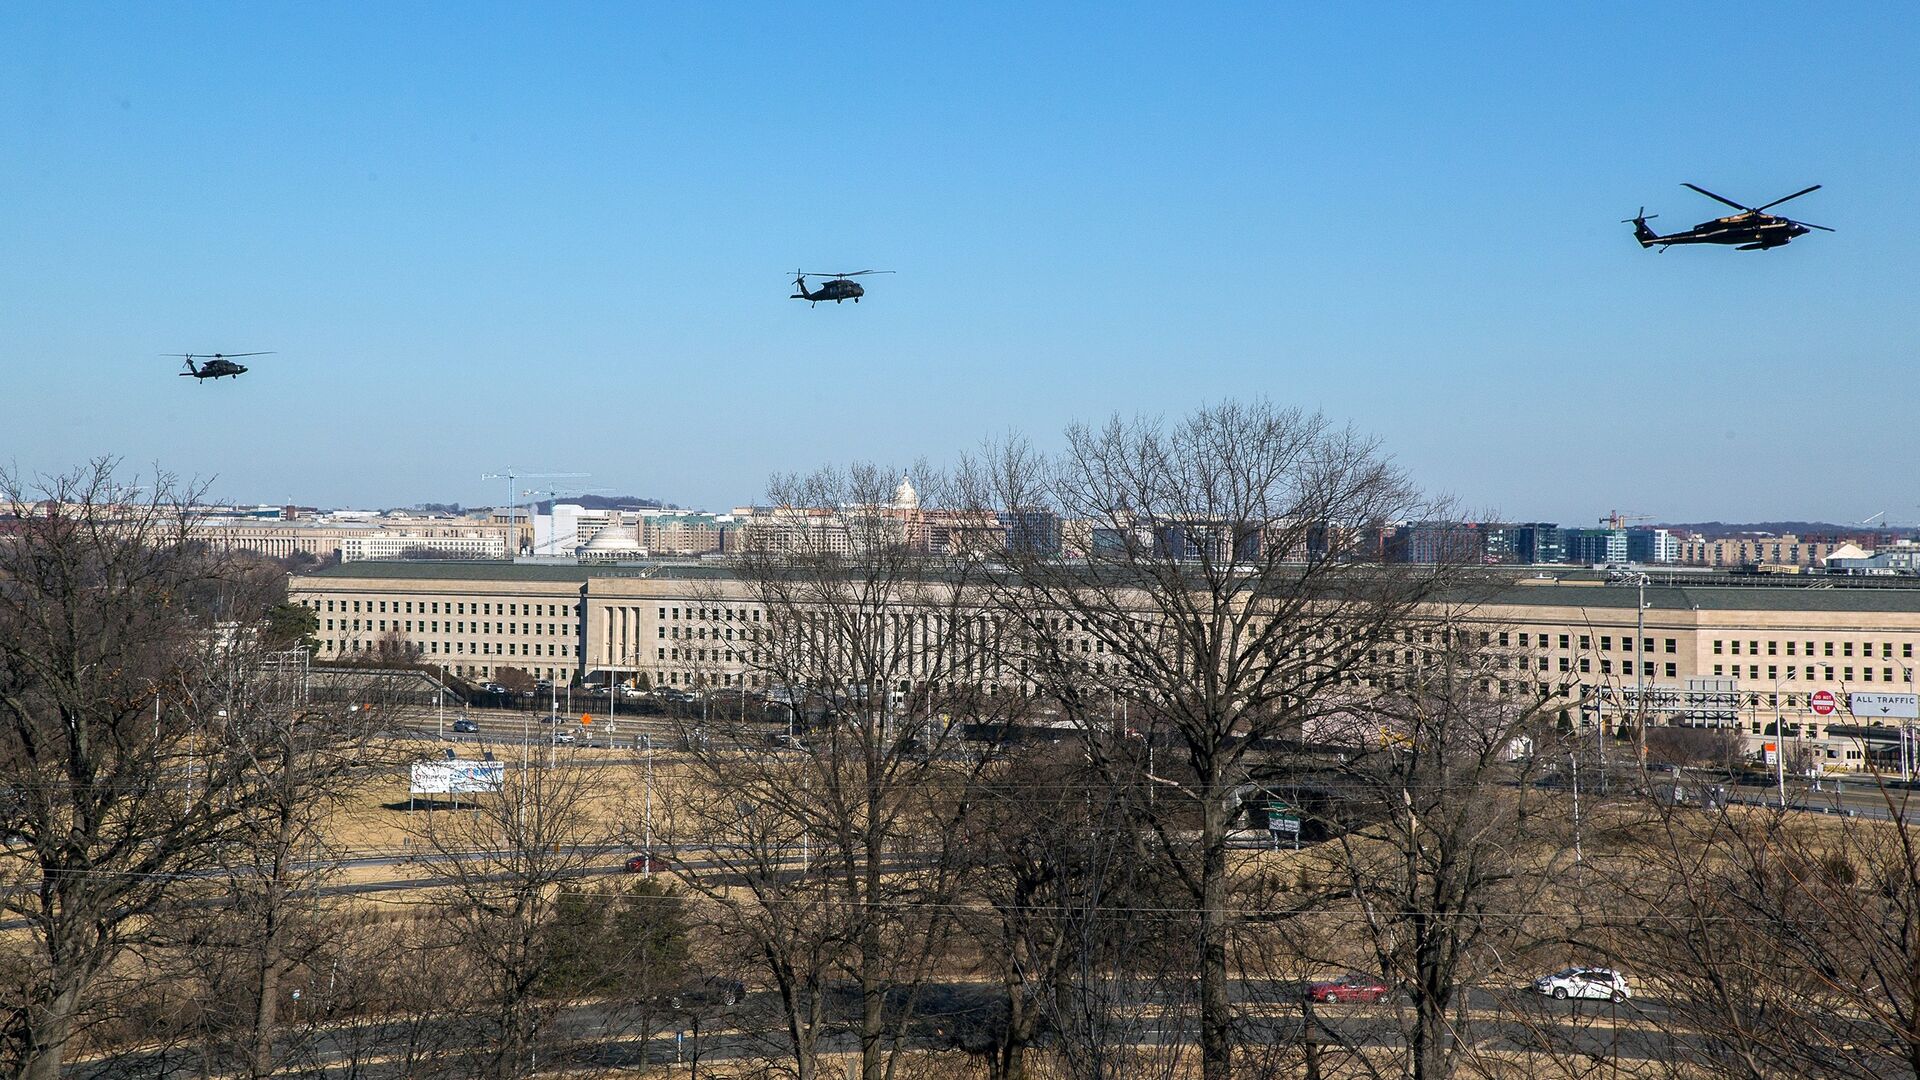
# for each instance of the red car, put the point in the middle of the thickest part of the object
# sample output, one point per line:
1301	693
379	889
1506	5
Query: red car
1347	988
644	863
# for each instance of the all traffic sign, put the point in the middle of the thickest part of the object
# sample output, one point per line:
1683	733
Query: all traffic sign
1822	702
1875	706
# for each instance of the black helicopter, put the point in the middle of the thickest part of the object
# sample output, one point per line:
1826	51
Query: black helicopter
1751	229
218	365
839	286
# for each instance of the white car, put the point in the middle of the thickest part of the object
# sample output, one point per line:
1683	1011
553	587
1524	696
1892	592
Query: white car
565	737
1591	984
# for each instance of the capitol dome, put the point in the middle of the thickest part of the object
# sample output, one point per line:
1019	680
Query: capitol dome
904	497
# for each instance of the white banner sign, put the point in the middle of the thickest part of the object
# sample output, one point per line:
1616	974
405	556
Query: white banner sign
456	777
1875	706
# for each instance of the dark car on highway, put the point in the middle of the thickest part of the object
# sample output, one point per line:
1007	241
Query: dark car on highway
466	727
707	992
1347	988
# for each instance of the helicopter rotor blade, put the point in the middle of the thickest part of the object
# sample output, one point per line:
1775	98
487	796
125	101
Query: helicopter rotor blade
1717	198
231	355
1795	195
1639	217
856	273
1811	225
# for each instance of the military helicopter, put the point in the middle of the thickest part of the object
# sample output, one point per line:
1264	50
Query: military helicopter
216	366
1751	229
836	289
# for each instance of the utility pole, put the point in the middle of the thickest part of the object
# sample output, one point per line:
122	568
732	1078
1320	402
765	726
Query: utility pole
649	811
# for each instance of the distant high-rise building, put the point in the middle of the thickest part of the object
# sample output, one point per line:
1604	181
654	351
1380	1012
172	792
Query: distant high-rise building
1497	544
1652	545
1538	542
1756	549
1590	546
1035	532
1454	542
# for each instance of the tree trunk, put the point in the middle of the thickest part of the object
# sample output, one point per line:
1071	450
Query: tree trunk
1009	1060
1309	1041
47	1034
1432	1059
873	980
1216	1009
266	1012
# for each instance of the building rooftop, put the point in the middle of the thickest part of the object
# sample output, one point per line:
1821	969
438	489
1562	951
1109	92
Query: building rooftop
1565	588
499	570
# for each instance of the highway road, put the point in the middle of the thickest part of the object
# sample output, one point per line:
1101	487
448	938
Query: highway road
602	1035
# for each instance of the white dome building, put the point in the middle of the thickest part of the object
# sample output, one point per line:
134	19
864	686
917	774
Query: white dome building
614	543
904	497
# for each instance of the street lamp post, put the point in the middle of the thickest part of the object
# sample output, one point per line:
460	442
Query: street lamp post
1780	751
1640	666
1578	857
1906	736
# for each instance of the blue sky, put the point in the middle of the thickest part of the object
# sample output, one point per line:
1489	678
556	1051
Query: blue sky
560	236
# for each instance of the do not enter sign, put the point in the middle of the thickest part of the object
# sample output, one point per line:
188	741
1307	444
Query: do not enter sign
1822	702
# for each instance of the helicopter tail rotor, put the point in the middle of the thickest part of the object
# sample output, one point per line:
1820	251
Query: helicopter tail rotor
1641	232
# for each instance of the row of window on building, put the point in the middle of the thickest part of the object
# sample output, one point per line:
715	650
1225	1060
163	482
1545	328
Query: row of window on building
1815	673
453	607
348	646
433	627
1846	648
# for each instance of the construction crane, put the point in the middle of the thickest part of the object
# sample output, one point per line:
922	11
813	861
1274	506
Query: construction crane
1616	519
554	494
555	497
512	474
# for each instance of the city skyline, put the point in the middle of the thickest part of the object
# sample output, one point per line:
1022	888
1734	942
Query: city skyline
565	244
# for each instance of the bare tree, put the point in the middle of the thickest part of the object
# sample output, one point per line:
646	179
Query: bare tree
140	736
514	679
844	839
1788	943
1443	833
1222	580
1721	749
762	904
505	856
1069	917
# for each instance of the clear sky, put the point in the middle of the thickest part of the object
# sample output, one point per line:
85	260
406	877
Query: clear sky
559	236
